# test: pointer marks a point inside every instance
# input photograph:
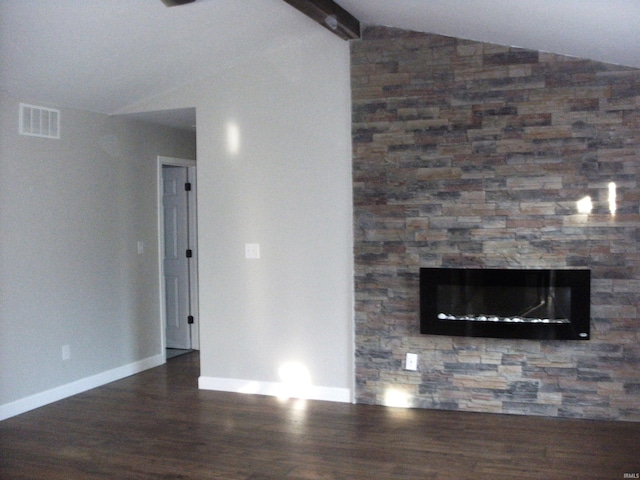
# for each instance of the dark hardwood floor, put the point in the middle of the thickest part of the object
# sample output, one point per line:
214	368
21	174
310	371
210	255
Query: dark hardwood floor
158	425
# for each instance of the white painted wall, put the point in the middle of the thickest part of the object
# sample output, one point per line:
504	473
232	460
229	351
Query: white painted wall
287	187
71	214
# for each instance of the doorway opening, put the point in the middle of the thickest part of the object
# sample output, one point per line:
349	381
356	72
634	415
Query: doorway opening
178	255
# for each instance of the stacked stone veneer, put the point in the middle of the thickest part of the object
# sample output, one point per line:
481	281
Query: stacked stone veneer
468	154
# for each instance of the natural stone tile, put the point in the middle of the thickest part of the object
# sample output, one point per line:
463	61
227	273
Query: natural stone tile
510	371
486	406
473	155
530	409
548	398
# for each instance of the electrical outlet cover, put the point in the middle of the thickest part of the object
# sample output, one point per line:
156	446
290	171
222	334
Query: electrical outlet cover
411	362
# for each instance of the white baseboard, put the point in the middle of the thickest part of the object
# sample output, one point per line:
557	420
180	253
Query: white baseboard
63	391
309	392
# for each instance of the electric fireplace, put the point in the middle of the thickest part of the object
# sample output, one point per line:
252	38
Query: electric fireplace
506	303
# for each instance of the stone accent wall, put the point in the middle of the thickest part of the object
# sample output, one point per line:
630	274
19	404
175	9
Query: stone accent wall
468	154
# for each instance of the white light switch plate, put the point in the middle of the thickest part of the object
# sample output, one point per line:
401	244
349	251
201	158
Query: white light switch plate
252	250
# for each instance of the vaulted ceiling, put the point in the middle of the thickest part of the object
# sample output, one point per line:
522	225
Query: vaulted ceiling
107	55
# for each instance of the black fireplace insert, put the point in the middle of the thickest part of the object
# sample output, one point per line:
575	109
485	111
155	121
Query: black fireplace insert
506	303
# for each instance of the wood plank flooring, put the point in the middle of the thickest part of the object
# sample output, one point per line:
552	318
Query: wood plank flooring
158	425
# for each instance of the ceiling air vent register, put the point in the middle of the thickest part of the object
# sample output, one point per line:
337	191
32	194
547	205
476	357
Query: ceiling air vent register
39	121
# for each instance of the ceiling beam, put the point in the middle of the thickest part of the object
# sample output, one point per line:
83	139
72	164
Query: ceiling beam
330	15
175	3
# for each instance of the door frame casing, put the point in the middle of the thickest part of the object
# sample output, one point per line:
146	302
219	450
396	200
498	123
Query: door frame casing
193	239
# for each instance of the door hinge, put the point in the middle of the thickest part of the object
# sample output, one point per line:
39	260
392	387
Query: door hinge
189	253
187	187
190	319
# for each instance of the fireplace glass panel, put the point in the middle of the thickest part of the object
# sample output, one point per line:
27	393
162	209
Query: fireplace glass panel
505	303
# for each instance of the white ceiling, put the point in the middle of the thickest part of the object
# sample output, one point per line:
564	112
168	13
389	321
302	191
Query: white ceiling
107	55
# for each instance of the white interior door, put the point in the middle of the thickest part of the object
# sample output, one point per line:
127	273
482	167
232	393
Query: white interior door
176	259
